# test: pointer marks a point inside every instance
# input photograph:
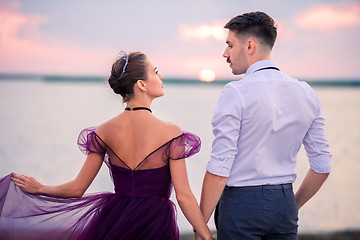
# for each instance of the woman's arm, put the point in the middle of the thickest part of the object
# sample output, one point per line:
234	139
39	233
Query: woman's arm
73	188
186	199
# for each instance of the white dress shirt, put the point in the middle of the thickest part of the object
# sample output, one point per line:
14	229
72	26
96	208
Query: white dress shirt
260	123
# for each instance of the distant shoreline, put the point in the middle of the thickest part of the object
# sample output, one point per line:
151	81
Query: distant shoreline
180	81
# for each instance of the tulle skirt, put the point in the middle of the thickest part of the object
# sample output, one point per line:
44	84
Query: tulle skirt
94	216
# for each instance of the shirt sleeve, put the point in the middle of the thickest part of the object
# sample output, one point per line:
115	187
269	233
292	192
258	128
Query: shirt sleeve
226	124
316	145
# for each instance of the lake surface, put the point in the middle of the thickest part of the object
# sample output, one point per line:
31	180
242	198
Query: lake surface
40	122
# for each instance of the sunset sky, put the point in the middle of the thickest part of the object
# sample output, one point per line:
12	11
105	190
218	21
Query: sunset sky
316	39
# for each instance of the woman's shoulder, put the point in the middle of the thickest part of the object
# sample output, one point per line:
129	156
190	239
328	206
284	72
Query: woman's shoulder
171	128
111	123
100	129
167	129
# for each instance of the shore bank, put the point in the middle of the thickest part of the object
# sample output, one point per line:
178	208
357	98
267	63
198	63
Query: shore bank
343	235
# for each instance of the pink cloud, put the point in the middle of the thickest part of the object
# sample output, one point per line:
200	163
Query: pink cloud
203	32
284	31
24	49
327	17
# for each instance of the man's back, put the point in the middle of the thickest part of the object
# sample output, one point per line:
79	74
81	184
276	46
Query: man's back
274	114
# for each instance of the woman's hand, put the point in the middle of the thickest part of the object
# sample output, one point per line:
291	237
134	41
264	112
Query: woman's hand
70	189
27	183
198	237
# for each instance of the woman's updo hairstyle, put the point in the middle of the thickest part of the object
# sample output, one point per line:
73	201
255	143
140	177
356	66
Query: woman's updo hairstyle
126	71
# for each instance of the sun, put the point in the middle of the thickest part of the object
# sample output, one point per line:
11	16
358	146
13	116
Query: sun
207	75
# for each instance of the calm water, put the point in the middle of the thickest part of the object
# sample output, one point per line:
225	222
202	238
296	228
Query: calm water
40	122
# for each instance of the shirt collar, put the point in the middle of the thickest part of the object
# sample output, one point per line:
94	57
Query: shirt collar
260	64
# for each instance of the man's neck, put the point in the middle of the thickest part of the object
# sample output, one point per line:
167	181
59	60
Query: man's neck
259	58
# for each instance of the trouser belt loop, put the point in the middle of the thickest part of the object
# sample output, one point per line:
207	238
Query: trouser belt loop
283	189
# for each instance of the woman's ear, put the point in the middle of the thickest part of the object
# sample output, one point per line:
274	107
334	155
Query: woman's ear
141	84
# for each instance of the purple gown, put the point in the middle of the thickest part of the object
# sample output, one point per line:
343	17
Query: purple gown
140	208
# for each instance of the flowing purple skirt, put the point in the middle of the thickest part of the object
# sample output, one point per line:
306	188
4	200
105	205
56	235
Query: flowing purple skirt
95	216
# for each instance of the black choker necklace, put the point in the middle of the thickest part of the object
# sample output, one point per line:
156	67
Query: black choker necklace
138	108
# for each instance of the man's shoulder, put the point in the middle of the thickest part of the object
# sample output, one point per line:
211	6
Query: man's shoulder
237	83
241	83
232	86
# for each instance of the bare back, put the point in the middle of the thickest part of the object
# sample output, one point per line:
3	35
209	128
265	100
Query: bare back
133	136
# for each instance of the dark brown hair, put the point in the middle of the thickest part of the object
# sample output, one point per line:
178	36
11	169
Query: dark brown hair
135	70
257	24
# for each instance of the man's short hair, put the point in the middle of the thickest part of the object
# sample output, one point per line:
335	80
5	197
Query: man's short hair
256	24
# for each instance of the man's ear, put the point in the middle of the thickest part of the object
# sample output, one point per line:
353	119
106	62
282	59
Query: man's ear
251	46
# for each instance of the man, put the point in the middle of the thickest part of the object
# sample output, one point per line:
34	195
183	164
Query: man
260	123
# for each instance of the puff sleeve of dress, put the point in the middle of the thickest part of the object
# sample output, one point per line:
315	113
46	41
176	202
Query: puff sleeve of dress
184	146
89	142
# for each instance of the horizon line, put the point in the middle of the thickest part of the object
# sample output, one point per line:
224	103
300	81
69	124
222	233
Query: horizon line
170	80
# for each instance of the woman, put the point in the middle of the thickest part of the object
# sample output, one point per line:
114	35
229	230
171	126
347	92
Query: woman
146	156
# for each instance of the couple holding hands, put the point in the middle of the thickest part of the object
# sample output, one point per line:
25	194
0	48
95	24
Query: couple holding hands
259	124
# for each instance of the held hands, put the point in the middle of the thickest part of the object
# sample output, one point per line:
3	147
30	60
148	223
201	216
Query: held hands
27	183
198	237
